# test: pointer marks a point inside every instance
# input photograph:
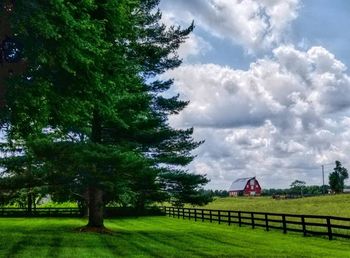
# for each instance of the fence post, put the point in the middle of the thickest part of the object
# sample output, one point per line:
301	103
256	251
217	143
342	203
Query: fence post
178	212
49	211
195	214
239	219
252	216
202	215
229	218
173	212
189	213
219	216
210	216
183	213
303	224
329	226
266	222
284	224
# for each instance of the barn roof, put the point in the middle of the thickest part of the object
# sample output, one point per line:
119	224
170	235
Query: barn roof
239	184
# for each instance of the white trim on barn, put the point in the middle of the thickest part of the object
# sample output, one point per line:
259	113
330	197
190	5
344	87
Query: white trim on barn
245	186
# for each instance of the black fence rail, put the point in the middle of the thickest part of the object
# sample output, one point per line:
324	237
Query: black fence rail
41	212
329	226
109	212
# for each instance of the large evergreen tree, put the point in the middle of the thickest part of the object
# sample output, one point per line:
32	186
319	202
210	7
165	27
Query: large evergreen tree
89	105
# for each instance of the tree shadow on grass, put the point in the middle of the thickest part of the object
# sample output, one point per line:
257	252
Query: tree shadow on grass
175	241
127	243
54	246
150	243
19	246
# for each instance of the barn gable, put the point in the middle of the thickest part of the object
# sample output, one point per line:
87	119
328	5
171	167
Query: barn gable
247	186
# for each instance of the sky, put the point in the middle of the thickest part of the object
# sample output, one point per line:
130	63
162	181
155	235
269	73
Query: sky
268	85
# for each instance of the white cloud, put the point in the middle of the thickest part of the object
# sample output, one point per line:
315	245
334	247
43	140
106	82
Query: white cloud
193	46
278	120
295	84
254	24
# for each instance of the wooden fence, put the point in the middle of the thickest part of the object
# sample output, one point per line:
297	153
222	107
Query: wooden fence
41	212
109	212
329	226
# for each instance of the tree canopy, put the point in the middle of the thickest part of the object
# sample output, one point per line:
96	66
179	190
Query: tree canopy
90	106
337	177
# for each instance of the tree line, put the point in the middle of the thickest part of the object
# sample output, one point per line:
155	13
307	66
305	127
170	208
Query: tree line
336	180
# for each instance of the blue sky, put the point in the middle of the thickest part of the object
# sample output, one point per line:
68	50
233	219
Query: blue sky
268	85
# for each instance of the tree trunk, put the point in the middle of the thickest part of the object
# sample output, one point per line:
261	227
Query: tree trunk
34	203
95	193
96	206
29	203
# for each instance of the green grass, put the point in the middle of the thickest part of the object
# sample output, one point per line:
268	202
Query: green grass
156	237
335	205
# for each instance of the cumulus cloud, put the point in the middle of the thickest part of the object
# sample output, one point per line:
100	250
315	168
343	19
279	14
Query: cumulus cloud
193	46
254	24
301	86
277	120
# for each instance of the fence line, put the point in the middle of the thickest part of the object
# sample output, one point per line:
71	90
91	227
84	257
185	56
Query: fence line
330	226
109	212
41	212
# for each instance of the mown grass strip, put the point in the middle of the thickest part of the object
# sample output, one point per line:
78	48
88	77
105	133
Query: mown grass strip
155	237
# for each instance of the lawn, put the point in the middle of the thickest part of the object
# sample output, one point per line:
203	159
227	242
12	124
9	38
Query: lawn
335	205
155	237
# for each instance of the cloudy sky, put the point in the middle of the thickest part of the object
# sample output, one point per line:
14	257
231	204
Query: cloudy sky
269	87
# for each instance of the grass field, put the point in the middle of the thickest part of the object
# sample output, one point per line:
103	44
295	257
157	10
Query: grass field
335	205
155	237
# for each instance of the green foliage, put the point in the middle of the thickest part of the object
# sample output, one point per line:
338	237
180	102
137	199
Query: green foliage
22	180
90	108
217	193
308	190
337	177
297	187
52	204
185	188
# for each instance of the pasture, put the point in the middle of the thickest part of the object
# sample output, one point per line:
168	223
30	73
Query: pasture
155	237
332	205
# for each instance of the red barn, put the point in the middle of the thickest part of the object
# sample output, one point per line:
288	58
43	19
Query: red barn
248	186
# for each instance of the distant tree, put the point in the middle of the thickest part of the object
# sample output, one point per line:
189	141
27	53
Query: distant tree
337	177
22	179
273	191
220	193
297	187
308	190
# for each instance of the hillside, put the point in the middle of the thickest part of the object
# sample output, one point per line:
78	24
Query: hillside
335	205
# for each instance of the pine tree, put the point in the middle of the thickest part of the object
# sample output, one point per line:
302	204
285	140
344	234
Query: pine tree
89	105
